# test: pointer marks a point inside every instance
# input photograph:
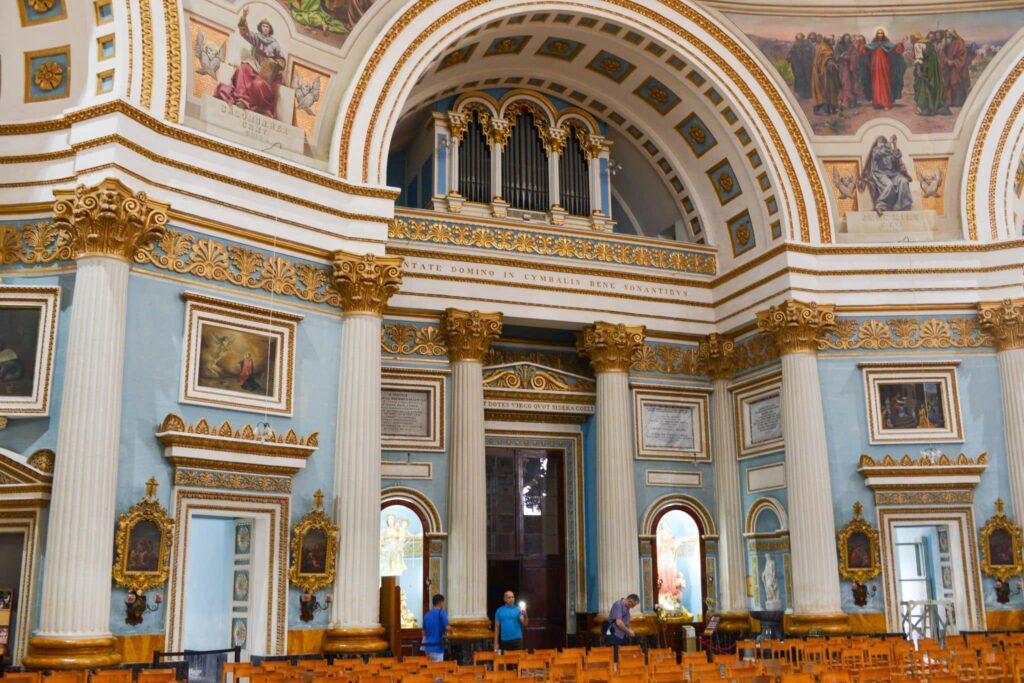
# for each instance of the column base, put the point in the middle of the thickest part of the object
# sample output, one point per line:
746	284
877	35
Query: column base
71	653
471	629
355	641
735	622
826	624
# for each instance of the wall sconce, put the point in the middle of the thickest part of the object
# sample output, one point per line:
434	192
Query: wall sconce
135	607
310	605
1004	589
860	593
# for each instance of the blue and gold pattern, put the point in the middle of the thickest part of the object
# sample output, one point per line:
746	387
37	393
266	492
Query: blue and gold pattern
741	233
755	158
41	11
560	48
47	74
507	45
695	78
524	241
611	66
776	230
772	205
696	134
1018	178
456	57
724	180
764	182
658	95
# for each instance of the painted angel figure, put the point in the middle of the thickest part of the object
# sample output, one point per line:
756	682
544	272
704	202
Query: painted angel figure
846	184
307	93
209	55
931	183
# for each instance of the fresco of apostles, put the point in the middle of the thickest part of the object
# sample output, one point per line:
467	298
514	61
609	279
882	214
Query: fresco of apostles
329	21
916	69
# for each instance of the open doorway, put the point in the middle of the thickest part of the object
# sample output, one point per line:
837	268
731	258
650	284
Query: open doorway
526	538
219	583
12	548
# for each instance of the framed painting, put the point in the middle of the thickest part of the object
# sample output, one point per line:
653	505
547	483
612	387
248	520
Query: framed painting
1001	547
858	548
670	425
912	403
143	544
314	549
28	330
412	410
758	409
238	356
6	598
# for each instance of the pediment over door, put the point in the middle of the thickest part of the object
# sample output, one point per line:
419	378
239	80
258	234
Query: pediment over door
25	481
530	391
928	480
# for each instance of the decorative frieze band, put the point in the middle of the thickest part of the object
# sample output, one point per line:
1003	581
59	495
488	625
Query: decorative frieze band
405	340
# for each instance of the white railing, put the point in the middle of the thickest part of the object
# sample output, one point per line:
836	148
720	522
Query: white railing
929	619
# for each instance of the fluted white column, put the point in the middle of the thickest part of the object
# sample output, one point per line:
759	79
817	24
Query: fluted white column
105	225
716	353
1004	320
357	475
468	335
610	349
365	284
812	531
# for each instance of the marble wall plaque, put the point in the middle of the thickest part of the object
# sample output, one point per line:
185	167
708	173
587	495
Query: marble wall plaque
668	427
405	412
764	417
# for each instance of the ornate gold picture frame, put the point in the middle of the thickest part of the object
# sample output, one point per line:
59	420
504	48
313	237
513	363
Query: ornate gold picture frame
858	547
912	402
28	333
143	544
314	548
1001	546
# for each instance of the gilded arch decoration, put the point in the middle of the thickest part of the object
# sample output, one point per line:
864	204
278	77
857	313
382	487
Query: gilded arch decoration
701	39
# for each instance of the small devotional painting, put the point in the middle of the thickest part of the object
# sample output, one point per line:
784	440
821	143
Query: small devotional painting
858	554
143	544
1001	551
314	548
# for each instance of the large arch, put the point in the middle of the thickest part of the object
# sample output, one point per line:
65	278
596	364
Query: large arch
397	57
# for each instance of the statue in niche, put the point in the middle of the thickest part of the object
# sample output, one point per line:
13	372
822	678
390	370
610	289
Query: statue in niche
771	585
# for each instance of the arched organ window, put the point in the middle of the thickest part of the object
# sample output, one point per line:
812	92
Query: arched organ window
524	166
475	160
574	175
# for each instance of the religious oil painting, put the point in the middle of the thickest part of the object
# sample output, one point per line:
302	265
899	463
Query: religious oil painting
858	551
918	69
238	356
401	556
314	552
918	405
28	323
677	546
144	544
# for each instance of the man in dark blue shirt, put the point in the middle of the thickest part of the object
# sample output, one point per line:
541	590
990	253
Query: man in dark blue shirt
435	629
509	621
619	632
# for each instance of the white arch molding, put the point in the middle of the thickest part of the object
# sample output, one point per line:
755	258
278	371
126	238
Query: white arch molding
397	57
678	500
403	495
761	505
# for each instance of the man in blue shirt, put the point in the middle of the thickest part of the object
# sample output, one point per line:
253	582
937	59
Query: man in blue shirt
619	632
509	621
435	629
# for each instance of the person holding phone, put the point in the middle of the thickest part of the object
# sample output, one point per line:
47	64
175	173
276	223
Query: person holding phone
509	620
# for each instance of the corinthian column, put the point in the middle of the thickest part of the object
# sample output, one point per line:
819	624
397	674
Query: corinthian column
104	225
611	349
1004	320
468	334
796	327
716	354
365	283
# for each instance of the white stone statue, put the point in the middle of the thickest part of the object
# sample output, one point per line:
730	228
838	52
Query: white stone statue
771	585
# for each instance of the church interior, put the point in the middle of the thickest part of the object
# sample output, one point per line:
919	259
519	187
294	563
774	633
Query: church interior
711	311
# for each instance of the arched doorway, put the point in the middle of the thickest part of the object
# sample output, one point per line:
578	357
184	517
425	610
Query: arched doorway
679	566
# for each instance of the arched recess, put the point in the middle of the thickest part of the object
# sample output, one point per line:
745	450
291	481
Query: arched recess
762	505
398	56
409	525
679	565
996	145
679	500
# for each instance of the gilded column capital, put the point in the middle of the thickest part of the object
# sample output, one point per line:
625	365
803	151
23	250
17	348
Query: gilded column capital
366	281
1004	320
610	347
716	353
108	219
796	325
469	334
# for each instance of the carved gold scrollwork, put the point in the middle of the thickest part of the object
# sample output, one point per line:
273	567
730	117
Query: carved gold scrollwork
531	378
468	334
366	282
611	347
319	553
1004	320
904	333
669	359
396	338
139	566
796	325
858	549
717	355
108	219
